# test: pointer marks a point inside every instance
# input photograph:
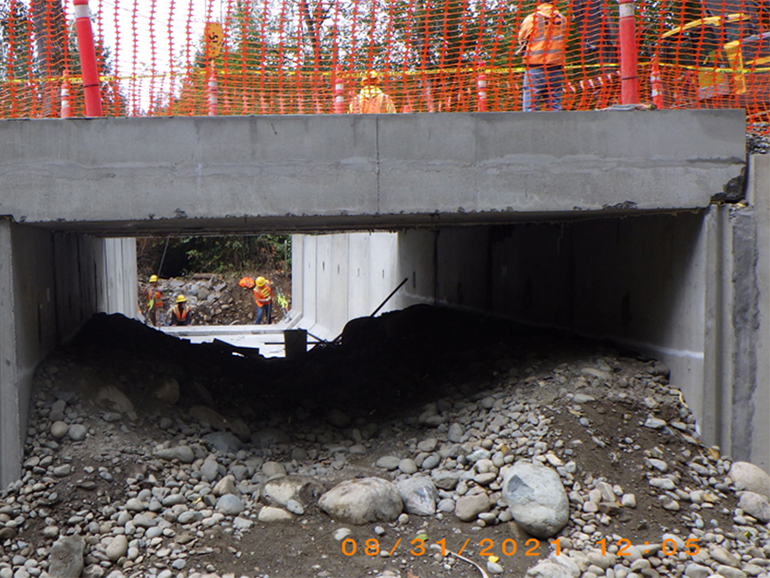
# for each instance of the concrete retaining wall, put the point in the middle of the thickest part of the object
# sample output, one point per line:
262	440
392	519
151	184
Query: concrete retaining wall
50	284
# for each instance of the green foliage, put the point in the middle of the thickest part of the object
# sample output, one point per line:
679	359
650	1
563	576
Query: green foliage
188	255
228	254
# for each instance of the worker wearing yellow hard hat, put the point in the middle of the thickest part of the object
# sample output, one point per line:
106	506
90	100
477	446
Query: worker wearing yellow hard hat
263	296
371	99
180	312
154	314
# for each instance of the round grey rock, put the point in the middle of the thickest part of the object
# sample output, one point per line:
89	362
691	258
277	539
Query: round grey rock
362	501
230	505
536	498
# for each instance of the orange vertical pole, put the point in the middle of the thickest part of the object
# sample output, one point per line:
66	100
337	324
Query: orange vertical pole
88	58
481	84
629	84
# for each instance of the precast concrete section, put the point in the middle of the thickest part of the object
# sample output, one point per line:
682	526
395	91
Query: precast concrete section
614	224
50	284
130	176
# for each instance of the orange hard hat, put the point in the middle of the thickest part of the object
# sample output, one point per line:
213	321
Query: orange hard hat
247	282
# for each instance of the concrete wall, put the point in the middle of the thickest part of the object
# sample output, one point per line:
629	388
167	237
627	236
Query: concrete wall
689	288
338	277
758	402
50	284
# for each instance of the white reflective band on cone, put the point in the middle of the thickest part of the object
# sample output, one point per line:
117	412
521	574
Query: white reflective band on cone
626	10
82	11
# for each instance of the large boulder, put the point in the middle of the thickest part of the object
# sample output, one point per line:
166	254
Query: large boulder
536	498
362	501
751	477
66	559
419	495
755	505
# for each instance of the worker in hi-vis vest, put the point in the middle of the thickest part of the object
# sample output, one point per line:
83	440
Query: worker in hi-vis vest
180	312
154	297
542	39
371	99
263	296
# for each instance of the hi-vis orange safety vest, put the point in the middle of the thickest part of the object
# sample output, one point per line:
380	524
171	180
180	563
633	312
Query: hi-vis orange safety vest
263	295
371	100
543	31
154	298
181	310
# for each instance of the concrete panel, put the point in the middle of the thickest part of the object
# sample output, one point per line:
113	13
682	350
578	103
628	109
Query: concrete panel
50	285
28	274
344	276
357	171
10	416
119	293
758	197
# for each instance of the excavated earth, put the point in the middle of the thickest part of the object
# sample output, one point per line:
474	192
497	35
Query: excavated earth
135	438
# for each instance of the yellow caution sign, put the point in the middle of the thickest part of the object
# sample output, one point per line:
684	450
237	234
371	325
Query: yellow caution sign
214	38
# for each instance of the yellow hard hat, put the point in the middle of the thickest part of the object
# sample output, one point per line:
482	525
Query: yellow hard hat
153	278
371	77
260	281
181	298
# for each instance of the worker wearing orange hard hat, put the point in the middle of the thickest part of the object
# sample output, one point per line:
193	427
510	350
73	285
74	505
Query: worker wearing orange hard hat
180	312
371	99
154	297
263	296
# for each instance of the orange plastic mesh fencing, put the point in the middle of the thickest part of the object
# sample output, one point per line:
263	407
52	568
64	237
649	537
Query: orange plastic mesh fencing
233	57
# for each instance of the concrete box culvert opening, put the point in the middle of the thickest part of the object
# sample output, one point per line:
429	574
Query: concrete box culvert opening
422	393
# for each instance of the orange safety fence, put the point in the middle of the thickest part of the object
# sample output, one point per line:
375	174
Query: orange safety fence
235	57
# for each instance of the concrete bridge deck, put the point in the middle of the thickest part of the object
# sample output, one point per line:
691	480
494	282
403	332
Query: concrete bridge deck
611	224
126	177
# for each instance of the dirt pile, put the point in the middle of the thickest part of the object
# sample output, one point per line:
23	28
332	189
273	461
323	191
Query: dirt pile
168	459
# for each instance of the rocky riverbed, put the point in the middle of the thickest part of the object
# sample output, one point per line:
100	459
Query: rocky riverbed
429	443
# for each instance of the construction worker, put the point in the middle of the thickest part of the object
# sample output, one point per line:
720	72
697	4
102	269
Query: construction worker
542	39
371	99
155	303
180	312
263	296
